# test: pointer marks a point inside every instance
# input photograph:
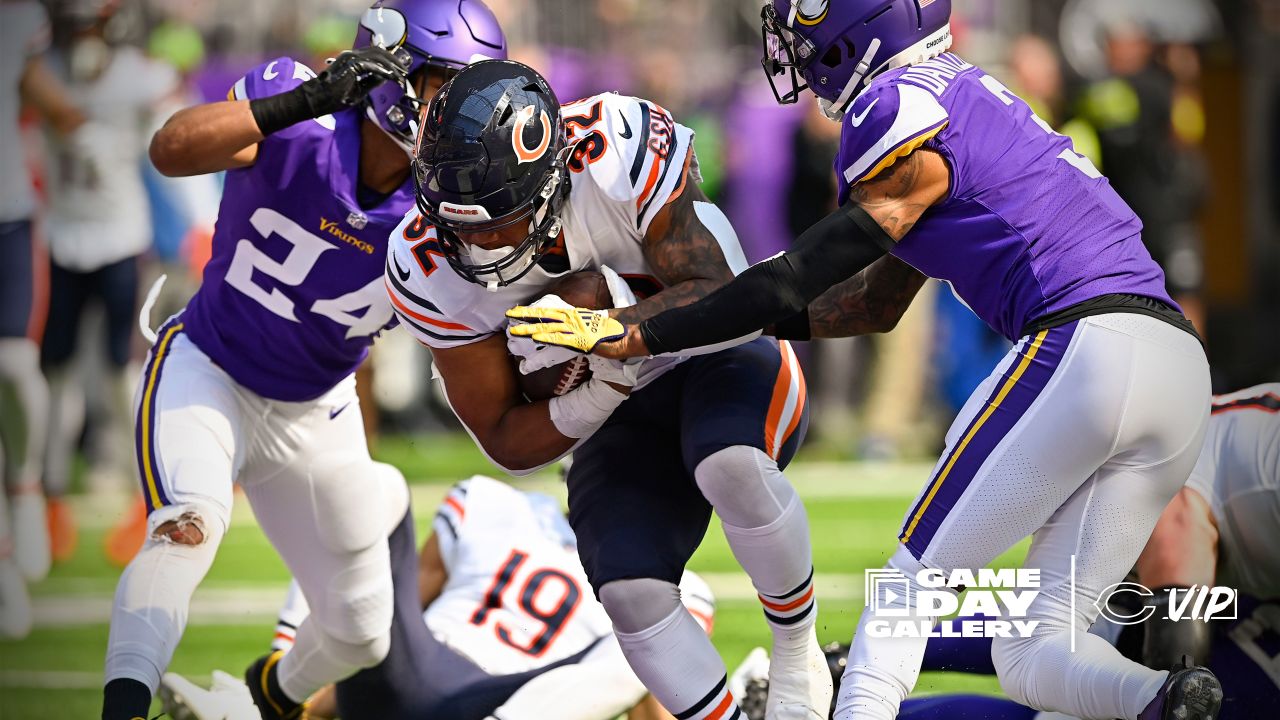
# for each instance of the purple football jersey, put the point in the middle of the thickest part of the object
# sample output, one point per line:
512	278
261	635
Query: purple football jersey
1028	226
293	295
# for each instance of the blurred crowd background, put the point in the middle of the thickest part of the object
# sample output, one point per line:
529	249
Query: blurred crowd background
1178	101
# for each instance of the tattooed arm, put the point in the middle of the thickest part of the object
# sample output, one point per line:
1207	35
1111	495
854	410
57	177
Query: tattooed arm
684	255
873	301
839	247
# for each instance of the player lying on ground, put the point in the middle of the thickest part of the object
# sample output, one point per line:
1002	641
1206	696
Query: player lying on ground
516	194
501	625
1081	435
1219	530
253	381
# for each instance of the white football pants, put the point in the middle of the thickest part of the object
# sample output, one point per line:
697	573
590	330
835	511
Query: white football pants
319	497
1081	436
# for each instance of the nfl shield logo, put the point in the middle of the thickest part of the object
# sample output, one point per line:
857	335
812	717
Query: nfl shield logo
357	220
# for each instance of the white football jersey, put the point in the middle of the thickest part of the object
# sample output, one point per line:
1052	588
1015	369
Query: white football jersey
98	210
633	161
517	597
1238	473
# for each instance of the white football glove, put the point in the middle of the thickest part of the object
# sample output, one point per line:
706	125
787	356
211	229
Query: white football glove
619	372
535	356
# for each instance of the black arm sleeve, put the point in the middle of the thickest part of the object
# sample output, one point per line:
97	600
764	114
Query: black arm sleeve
838	247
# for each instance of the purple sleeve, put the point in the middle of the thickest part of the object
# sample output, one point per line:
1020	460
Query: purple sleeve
885	123
270	78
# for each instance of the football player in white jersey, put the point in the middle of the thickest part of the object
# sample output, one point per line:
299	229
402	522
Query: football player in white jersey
511	630
515	192
98	227
24	79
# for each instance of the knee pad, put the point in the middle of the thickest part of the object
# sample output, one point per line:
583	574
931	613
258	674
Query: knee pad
361	654
636	604
745	485
359	613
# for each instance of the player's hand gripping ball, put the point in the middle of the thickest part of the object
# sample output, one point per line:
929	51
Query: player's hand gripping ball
576	328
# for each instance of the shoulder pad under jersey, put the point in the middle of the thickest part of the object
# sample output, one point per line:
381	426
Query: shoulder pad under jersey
885	123
631	151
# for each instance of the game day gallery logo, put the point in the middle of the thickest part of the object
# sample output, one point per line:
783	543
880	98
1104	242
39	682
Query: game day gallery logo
905	607
991	603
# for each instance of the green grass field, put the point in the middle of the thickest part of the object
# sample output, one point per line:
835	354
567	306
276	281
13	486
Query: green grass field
854	510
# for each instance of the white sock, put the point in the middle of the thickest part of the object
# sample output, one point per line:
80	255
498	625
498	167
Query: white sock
882	671
767	529
676	661
152	601
292	614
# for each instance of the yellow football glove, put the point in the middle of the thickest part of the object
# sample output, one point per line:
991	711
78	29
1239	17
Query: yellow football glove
574	328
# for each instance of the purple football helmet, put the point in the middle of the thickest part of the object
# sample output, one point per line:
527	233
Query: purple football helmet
836	47
445	34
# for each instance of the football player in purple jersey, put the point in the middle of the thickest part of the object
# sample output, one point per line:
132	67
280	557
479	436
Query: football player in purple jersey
1081	435
253	381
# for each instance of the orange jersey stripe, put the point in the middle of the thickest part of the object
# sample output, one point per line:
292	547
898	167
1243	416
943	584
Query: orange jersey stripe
649	183
419	316
798	602
801	394
684	179
457	506
777	404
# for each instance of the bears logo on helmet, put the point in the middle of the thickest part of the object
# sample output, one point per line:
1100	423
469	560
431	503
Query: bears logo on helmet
524	121
494	142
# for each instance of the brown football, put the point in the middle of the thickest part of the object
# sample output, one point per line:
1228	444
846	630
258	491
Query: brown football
586	289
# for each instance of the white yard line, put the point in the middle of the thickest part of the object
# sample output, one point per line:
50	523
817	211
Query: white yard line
259	604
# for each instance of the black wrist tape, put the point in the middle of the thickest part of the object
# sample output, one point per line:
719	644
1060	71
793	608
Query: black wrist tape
795	327
278	112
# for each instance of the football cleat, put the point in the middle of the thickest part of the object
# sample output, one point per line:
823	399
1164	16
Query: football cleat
800	686
750	684
264	688
226	699
1190	692
30	535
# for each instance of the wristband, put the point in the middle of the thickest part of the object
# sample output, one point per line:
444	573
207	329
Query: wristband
582	411
277	112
